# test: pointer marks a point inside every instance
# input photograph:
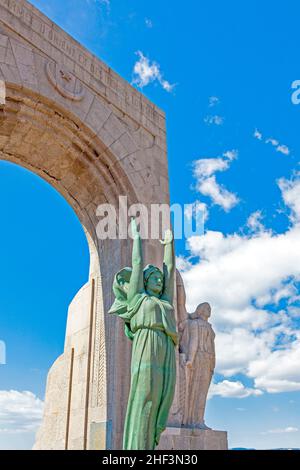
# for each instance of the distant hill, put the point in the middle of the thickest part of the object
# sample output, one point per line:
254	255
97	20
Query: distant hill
242	448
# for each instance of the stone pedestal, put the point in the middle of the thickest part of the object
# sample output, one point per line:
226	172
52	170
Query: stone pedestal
192	439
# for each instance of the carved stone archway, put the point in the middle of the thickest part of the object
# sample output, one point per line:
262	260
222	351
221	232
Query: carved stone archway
70	119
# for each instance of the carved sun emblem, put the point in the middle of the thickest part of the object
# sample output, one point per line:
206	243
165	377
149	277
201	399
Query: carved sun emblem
65	82
65	75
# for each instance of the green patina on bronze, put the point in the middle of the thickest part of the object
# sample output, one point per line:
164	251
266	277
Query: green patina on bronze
144	300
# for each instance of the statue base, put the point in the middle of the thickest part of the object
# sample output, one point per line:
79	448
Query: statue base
192	439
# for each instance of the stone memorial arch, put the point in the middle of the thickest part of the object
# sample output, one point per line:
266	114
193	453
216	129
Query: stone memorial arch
69	118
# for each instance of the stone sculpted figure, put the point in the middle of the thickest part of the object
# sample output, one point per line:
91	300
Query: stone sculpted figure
197	358
144	300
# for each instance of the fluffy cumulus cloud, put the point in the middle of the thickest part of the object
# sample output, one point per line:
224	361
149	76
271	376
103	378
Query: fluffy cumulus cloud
284	149
251	281
229	389
207	184
20	412
146	72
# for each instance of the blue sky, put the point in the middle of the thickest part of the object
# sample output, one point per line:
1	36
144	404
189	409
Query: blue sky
222	72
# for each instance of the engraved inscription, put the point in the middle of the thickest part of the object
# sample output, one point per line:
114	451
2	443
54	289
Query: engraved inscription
29	20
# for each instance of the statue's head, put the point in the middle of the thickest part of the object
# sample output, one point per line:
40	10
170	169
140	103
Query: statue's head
121	283
153	280
203	311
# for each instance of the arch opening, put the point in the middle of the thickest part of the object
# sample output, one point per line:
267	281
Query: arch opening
46	258
56	147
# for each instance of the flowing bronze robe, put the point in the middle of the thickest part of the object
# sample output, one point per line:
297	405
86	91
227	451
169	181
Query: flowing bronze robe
150	324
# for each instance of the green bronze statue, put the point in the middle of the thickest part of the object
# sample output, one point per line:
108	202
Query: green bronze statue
144	300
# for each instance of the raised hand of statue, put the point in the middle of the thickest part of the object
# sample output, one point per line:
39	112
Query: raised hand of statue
168	238
134	230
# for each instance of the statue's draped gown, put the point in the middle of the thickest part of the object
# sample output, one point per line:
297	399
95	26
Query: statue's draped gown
150	324
200	334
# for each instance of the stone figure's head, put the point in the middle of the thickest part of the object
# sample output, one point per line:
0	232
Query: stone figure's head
153	280
203	311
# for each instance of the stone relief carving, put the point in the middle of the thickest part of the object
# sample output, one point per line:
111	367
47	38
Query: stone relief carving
196	359
65	82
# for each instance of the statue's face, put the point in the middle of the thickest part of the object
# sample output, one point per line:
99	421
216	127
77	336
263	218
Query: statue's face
204	311
124	285
154	284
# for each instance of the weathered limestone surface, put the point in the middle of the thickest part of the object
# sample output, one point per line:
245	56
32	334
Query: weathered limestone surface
66	405
69	118
193	439
195	366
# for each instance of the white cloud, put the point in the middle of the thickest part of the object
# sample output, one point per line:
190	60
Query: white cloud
278	371
254	222
182	264
251	282
274	142
20	412
288	429
231	154
251	265
146	72
237	348
214	119
257	134
291	195
208	166
285	292
196	209
283	149
218	193
228	389
207	184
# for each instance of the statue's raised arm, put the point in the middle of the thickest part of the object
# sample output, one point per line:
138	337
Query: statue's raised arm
136	284
168	266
